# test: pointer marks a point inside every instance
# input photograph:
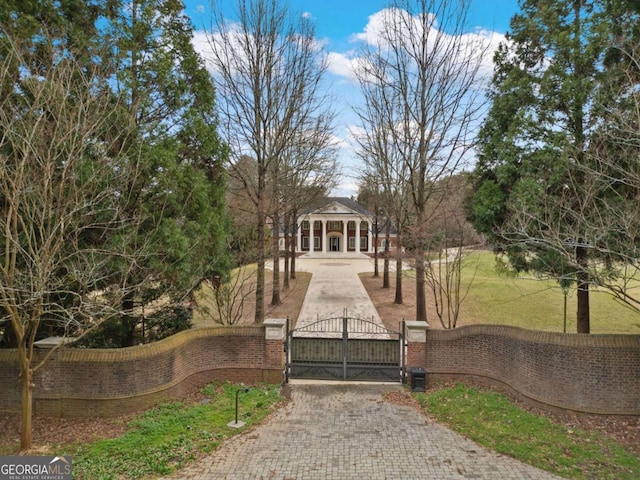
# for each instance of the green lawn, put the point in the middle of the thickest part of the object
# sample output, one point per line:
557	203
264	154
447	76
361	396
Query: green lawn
527	302
492	420
172	435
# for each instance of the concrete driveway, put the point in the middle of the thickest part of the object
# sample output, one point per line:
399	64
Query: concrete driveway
334	286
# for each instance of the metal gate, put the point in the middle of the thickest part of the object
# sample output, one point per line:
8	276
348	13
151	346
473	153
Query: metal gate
344	348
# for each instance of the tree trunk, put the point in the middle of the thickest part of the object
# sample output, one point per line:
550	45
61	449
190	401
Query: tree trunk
398	300
259	315
275	294
421	302
385	273
26	375
294	242
376	270
292	267
583	317
128	321
287	246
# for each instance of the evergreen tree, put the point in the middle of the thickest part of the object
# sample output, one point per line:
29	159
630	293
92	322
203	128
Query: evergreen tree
171	101
539	190
162	125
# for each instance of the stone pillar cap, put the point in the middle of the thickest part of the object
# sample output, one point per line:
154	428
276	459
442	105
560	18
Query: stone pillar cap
417	331
274	328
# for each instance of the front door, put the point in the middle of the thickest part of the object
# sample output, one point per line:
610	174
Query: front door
334	244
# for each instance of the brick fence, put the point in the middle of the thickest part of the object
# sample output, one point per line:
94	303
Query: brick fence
585	373
101	382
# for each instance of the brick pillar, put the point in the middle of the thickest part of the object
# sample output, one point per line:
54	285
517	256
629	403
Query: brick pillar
416	345
274	333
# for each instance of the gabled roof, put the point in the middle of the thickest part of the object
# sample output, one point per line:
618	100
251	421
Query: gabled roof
345	202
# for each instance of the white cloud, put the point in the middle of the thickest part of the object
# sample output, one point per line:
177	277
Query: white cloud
481	41
342	64
374	31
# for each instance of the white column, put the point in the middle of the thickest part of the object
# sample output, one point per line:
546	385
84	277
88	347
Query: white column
311	234
358	235
323	240
298	236
369	237
345	239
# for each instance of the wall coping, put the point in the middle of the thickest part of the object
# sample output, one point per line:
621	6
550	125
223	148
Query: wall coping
578	340
68	354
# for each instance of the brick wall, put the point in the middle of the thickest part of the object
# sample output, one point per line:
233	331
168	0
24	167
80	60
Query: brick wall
586	373
81	382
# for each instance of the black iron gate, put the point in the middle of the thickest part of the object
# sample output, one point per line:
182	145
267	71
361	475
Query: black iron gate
344	348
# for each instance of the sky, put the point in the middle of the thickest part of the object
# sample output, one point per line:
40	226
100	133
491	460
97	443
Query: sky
342	26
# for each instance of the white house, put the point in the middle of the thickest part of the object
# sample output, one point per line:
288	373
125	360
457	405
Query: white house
336	224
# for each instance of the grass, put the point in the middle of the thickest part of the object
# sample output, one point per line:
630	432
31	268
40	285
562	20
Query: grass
243	283
170	436
492	420
531	303
241	280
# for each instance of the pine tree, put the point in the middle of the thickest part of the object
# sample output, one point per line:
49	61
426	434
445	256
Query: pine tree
536	195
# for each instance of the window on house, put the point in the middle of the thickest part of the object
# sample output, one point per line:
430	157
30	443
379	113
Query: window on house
305	243
316	243
383	243
333	225
305	224
352	225
363	243
352	243
317	225
281	244
364	225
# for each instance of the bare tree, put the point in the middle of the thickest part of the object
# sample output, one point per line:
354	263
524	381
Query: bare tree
307	166
267	67
63	194
309	172
383	162
449	234
230	296
369	195
428	71
383	165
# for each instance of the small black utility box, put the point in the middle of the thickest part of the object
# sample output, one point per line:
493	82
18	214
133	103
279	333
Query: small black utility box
418	379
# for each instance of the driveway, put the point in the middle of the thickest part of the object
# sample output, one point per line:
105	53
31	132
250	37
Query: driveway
337	431
342	431
334	286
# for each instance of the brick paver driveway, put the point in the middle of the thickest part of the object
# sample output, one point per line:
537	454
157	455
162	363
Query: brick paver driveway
347	431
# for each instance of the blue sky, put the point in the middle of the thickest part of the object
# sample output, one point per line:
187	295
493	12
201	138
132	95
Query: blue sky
338	22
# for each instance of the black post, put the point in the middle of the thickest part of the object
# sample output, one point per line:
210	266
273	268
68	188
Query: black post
345	337
245	390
